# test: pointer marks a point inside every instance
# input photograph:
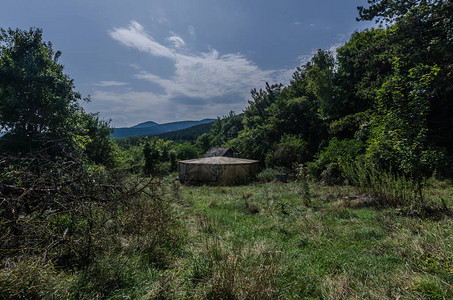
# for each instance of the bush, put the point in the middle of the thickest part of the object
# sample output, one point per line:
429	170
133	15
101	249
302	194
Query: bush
269	174
291	149
70	213
186	151
328	166
388	189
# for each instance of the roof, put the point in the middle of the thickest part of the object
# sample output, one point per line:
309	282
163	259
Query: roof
219	160
219	152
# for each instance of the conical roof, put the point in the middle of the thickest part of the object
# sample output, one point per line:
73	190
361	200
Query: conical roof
219	160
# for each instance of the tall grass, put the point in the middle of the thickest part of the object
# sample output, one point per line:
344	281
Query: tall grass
386	187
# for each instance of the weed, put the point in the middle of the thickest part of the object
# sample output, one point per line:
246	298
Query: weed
251	208
268	175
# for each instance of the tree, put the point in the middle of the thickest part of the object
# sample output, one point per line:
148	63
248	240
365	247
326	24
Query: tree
393	10
421	33
224	129
320	78
38	102
204	142
399	134
151	158
186	151
95	139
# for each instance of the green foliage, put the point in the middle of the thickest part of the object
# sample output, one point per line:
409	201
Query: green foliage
331	161
252	144
39	109
151	158
320	79
97	145
204	143
225	129
399	133
269	174
292	149
394	10
173	165
186	151
387	188
351	126
37	99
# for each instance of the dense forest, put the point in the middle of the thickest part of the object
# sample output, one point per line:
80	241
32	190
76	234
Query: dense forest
82	213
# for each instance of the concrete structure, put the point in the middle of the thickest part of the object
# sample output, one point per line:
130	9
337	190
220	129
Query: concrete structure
218	170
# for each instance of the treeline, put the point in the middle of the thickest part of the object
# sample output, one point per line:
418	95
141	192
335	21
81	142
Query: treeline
384	100
186	135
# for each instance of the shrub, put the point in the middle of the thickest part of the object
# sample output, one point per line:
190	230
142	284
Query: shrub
269	174
388	189
70	213
186	151
291	149
328	166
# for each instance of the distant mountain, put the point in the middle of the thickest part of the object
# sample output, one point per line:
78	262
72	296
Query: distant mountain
188	134
145	125
152	128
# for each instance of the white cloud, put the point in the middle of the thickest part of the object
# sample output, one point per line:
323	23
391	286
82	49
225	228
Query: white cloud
204	84
333	49
130	108
176	41
202	75
110	83
135	37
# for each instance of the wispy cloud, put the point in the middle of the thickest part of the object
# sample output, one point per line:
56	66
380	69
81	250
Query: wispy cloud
176	41
203	75
305	58
159	16
222	81
110	83
203	84
135	37
130	107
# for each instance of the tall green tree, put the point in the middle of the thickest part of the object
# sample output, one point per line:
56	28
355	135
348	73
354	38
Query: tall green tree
37	100
39	108
388	11
320	77
94	139
421	33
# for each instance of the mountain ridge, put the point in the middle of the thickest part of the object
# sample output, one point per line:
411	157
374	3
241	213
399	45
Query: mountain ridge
153	128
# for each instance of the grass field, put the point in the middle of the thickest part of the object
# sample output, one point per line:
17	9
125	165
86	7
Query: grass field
262	241
293	241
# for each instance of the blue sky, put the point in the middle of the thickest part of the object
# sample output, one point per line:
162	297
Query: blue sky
172	60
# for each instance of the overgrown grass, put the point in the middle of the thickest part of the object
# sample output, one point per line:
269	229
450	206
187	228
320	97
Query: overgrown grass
393	189
338	246
297	240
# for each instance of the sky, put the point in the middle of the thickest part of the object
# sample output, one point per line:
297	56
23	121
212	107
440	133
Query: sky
175	60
